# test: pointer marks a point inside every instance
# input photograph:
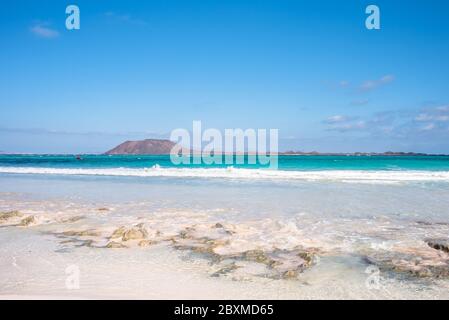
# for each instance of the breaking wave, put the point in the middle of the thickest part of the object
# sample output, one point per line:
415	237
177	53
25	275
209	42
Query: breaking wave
355	176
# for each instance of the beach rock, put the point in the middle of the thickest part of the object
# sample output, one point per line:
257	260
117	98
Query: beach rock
118	233
429	223
69	241
86	243
421	270
135	234
206	250
308	257
225	270
71	219
285	264
25	222
187	233
83	233
78	242
258	256
184	235
5	216
438	244
288	264
424	223
115	245
146	243
217	245
218	225
200	246
290	274
411	264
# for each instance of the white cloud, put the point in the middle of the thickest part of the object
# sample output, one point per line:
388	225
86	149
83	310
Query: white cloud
357	125
428	127
423	117
405	124
126	18
38	131
344	123
336	119
387	79
44	32
440	114
443	108
373	84
442	118
360	102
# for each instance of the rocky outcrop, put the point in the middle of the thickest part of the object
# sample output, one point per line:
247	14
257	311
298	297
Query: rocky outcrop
416	263
146	243
25	222
16	218
81	233
148	146
115	245
439	244
278	263
5	216
137	232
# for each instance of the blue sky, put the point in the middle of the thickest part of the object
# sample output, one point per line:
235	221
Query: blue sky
140	69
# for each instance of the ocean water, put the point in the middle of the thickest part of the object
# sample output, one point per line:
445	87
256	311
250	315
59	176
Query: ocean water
291	163
354	214
386	169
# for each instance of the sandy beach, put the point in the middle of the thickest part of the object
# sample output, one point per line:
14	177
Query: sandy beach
207	238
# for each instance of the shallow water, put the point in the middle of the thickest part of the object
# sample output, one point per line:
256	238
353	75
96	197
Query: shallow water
341	222
285	162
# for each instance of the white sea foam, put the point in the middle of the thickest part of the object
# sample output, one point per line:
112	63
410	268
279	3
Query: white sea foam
348	176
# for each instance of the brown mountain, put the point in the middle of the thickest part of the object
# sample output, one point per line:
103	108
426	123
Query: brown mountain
147	146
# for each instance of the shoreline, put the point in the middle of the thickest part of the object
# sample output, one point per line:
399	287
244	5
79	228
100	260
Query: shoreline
222	239
337	175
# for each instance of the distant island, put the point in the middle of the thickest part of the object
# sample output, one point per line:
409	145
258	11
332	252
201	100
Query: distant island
147	146
388	153
164	146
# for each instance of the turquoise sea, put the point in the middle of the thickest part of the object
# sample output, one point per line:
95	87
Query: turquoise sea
286	162
357	216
